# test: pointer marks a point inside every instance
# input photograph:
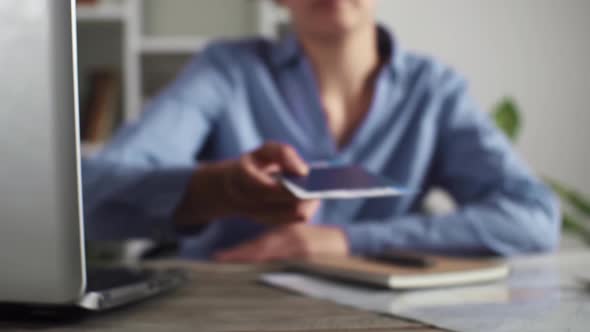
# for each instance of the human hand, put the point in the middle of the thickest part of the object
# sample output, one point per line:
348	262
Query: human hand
254	191
289	242
248	187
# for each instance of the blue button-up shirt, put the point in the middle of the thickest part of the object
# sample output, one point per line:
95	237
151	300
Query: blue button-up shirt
422	130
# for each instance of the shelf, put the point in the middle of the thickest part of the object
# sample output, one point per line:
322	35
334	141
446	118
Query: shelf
172	45
100	13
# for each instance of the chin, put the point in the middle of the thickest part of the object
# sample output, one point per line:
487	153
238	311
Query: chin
336	28
331	18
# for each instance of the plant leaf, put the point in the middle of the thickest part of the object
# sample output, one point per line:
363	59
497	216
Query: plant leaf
507	117
570	223
572	197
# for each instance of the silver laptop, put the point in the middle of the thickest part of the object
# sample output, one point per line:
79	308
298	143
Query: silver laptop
42	259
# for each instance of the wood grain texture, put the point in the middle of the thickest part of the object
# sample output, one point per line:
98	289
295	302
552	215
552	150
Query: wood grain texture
227	298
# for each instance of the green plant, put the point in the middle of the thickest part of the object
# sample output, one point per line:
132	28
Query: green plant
576	208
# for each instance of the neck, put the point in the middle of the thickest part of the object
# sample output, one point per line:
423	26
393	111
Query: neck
345	64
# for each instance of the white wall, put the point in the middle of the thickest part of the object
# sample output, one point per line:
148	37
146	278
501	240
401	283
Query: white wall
535	50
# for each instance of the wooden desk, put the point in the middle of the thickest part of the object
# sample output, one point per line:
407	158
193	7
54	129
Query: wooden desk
228	298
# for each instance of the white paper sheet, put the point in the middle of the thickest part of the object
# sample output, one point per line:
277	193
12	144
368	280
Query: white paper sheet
542	294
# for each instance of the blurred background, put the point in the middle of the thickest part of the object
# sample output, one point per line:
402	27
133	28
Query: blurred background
535	52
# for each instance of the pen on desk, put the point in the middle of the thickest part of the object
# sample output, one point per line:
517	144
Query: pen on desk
402	259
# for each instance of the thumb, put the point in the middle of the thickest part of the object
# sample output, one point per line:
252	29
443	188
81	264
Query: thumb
284	156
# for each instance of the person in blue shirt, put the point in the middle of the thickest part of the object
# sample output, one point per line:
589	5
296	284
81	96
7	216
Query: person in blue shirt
199	162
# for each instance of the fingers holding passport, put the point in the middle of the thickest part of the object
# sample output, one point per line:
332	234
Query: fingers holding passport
256	193
247	187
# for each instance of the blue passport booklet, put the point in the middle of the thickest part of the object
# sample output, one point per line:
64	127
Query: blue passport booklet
341	182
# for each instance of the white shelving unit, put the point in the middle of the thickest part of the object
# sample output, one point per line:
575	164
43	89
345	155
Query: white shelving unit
172	45
137	45
101	13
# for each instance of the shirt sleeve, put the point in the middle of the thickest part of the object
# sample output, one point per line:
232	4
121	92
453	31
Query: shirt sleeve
503	208
132	188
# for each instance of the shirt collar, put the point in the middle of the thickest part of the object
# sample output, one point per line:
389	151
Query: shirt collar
287	50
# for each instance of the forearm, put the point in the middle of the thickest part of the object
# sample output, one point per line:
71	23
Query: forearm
206	196
499	225
128	202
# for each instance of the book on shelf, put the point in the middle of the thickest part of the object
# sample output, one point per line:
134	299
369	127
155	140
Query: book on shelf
101	108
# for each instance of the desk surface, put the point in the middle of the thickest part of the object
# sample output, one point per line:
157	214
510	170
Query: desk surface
228	298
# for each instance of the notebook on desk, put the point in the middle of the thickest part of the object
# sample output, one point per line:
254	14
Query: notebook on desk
434	271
